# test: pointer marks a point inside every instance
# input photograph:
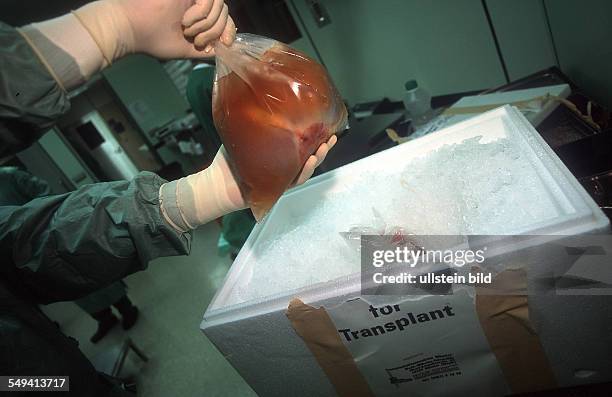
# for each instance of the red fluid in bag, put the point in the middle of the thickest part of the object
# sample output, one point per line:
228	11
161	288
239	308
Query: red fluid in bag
272	114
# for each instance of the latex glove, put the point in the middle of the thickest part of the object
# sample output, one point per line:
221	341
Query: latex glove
309	168
199	198
155	27
203	21
315	160
75	46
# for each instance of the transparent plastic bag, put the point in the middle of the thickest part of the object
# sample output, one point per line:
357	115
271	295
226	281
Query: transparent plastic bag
273	107
394	235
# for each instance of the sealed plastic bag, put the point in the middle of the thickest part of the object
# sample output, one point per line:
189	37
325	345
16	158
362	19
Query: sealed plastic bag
393	235
273	107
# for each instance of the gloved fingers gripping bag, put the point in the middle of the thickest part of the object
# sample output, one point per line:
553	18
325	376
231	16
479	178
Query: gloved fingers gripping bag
273	106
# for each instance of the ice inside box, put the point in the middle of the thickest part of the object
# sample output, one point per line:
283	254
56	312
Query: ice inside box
488	175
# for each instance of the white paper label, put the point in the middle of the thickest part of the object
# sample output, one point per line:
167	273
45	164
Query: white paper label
422	346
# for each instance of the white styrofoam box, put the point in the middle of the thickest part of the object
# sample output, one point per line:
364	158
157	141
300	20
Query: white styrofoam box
246	319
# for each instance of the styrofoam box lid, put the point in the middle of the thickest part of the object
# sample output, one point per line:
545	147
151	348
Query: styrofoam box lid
577	212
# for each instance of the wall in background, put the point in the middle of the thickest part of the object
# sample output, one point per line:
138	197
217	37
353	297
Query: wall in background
99	97
582	32
52	160
372	47
145	89
304	43
523	35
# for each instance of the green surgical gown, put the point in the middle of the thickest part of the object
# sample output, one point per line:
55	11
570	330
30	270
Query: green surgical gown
65	246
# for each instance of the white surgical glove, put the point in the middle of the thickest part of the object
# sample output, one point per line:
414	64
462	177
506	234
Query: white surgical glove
157	27
77	45
199	198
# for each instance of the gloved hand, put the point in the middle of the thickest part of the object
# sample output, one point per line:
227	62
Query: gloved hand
160	28
77	45
199	198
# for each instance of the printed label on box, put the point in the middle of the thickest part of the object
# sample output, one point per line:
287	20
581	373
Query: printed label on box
430	345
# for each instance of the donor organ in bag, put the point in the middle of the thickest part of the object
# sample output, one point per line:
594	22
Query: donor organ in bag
273	107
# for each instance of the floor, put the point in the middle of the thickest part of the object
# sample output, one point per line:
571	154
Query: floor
172	295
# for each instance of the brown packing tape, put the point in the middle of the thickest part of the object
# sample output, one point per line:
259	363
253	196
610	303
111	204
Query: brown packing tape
319	333
506	325
394	136
503	318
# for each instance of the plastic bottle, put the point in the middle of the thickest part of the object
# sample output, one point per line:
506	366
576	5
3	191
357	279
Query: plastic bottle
417	102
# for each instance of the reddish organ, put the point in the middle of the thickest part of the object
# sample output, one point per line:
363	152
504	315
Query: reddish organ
272	113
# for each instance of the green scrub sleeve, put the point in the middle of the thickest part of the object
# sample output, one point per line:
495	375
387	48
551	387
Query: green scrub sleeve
66	246
30	98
